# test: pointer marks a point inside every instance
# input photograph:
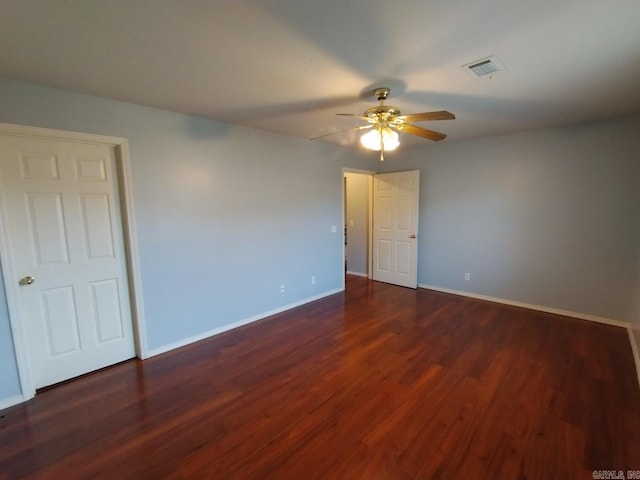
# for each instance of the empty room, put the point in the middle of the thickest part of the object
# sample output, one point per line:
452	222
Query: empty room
319	240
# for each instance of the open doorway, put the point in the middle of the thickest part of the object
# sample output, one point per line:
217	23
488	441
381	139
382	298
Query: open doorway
381	213
357	222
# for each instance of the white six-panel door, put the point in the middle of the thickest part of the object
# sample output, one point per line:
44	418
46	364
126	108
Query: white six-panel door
63	226
395	227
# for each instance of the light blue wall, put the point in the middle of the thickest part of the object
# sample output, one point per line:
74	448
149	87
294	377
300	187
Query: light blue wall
224	214
547	217
9	380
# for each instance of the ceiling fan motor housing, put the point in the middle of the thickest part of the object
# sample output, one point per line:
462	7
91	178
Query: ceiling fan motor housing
382	111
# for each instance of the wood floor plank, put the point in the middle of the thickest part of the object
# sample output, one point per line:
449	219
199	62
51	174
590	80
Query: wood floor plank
376	382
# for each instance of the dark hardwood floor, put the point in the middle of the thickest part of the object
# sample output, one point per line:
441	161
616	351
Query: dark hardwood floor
380	382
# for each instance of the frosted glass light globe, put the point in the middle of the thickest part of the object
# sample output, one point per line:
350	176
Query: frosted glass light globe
371	140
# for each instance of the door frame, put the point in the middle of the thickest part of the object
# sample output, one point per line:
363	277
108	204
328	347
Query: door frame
370	174
120	147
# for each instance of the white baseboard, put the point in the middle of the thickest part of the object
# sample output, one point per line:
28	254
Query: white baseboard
239	323
540	308
11	401
635	348
359	274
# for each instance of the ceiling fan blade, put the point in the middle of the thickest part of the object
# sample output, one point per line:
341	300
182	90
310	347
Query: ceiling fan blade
419	131
361	117
420	117
342	131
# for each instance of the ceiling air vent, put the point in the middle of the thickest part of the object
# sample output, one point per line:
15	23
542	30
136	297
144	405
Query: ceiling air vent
485	68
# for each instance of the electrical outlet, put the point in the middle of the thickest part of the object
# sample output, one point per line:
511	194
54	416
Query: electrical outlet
467	276
313	280
282	288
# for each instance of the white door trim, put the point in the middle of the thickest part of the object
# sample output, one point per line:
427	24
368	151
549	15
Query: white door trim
123	166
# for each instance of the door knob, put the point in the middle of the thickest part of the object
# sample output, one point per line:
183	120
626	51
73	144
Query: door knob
28	280
412	236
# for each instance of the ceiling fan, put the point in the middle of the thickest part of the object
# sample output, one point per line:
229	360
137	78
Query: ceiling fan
385	122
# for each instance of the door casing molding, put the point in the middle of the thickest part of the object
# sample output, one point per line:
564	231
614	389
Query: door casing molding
125	193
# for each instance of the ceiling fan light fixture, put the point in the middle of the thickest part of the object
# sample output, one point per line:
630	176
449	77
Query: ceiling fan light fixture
385	121
371	140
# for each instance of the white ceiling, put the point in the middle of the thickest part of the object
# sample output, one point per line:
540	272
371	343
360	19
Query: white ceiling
288	66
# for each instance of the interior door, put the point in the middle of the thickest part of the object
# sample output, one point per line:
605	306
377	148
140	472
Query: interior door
64	234
395	227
